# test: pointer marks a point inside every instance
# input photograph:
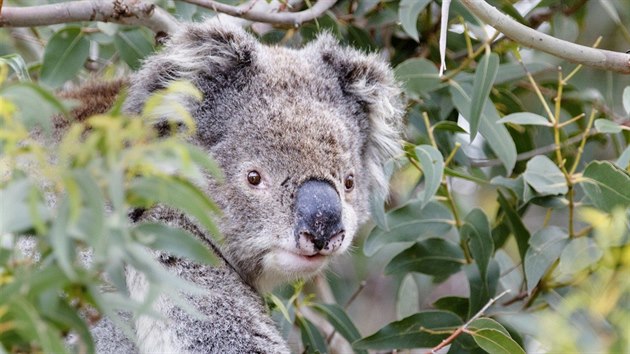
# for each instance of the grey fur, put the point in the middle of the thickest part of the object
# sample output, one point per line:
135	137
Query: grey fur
322	112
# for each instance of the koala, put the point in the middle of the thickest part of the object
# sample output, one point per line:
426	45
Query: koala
301	136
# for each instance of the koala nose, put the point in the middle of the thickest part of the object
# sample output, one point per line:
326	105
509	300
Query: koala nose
318	211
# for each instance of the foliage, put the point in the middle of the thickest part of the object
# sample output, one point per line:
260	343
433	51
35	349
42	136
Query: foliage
515	177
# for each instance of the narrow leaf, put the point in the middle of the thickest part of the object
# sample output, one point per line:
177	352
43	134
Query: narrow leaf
515	222
16	62
338	318
432	164
579	254
477	233
497	135
177	242
133	46
624	159
484	79
65	54
408	12
608	126
525	118
418	75
625	98
311	337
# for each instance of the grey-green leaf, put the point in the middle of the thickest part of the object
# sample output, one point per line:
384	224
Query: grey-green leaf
525	118
422	330
546	245
408	12
311	337
434	256
477	233
497	135
606	185
16	62
177	242
545	177
607	126
579	254
411	222
65	54
432	164
495	341
338	318
484	79
624	160
133	46
418	75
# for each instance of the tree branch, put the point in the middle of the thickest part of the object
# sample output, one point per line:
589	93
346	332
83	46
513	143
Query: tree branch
128	12
598	58
281	18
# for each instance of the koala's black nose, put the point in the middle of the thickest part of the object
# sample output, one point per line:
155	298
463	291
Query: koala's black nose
318	211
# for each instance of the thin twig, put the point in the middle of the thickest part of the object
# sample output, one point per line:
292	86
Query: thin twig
461	329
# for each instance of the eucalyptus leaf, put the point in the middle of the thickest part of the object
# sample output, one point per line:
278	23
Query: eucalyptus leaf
497	135
337	317
422	330
432	164
410	222
455	304
448	125
546	245
545	177
419	76
485	74
481	290
477	233
579	254
624	159
64	55
16	62
133	46
494	341
625	98
434	256
525	118
408	297
311	337
408	12
608	126
606	185
515	222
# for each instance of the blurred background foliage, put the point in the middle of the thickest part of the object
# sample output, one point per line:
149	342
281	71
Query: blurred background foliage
507	228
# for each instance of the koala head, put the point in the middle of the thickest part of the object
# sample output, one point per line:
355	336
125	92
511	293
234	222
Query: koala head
301	135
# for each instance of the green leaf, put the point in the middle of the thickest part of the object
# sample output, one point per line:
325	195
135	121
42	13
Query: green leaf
36	104
179	194
497	135
64	55
419	76
133	46
545	177
28	318
481	290
408	12
432	164
579	254
337	317
455	304
477	233
410	222
18	217
487	323
625	98
608	126
434	256
606	185
416	331
16	62
408	297
61	244
515	222
377	200
484	79
311	337
546	245
525	118
448	125
177	242
513	71
496	342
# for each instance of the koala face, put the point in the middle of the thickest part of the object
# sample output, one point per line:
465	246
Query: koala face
301	136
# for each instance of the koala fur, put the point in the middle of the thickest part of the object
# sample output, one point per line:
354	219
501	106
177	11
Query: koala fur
319	116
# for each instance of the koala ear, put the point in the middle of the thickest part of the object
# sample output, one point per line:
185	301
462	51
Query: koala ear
368	80
207	50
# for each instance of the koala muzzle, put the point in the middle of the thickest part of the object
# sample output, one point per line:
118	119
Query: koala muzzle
319	228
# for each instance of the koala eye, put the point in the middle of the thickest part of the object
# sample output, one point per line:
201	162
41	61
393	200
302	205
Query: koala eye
253	177
349	182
